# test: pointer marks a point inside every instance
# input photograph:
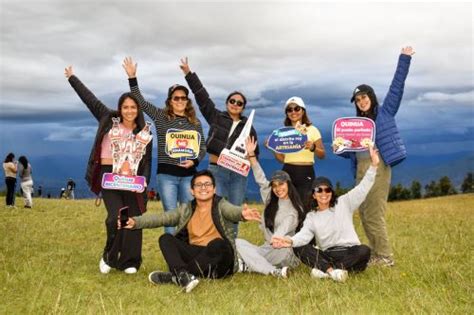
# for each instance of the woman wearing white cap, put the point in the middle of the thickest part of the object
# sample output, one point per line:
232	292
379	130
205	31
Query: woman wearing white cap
299	165
283	214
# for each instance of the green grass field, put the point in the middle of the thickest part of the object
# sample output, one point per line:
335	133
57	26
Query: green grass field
49	264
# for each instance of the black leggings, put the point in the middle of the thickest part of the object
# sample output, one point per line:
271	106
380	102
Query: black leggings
302	177
216	260
123	248
11	183
354	258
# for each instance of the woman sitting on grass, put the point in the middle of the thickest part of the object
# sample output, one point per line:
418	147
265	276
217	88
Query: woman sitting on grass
330	223
282	215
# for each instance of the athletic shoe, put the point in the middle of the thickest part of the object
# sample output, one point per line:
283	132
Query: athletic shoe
103	267
318	274
187	281
338	275
161	277
386	261
282	273
243	266
130	270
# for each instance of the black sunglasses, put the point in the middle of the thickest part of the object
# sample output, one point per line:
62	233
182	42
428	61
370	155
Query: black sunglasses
293	109
180	98
236	102
327	190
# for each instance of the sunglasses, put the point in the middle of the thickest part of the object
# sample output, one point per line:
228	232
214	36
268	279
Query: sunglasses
327	190
295	109
180	98
236	102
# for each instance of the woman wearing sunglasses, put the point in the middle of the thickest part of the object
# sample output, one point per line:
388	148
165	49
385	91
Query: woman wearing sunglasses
299	165
330	223
224	128
283	214
173	176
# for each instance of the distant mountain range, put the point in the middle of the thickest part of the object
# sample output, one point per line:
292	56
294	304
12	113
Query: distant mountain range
52	172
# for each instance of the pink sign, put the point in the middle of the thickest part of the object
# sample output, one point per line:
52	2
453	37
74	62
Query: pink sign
123	182
233	162
352	134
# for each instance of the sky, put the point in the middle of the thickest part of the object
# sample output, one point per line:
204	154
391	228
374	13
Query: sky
268	50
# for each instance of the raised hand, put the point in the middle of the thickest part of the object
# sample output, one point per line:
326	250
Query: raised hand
374	155
408	51
280	242
250	145
68	72
250	214
185	65
130	67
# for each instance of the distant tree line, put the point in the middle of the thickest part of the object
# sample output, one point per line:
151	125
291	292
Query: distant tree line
442	187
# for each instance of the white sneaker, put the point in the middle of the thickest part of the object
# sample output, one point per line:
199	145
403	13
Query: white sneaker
242	266
338	275
282	273
130	270
318	274
103	267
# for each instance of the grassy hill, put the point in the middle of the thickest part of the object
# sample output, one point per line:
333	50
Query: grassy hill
49	264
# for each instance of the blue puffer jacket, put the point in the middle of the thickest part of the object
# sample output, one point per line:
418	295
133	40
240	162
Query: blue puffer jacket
387	138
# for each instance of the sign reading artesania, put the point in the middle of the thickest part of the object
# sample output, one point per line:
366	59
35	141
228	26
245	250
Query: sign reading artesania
127	152
182	144
235	159
288	139
352	134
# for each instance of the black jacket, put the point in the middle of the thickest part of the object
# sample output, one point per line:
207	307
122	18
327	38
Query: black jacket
104	115
219	122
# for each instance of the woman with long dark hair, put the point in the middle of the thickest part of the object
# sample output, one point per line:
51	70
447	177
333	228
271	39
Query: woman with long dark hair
392	151
10	169
283	214
26	180
123	248
173	174
330	223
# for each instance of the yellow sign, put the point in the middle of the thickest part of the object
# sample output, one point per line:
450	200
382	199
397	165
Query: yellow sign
182	143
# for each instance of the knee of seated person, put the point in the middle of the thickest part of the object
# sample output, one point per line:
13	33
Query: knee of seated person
217	245
364	250
165	238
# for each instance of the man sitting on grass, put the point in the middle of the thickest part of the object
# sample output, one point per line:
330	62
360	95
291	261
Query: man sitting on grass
204	243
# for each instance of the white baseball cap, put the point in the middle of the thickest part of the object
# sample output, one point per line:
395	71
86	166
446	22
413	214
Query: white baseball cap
295	100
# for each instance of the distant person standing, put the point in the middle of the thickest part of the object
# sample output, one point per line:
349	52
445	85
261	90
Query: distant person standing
70	186
26	180
10	168
40	190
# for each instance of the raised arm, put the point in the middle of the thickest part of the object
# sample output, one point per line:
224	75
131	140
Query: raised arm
95	106
258	172
394	96
206	105
130	68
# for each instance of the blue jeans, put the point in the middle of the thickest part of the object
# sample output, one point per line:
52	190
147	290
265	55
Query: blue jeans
173	189
230	185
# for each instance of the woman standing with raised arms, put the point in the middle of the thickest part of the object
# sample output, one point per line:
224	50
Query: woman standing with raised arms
392	151
122	249
173	176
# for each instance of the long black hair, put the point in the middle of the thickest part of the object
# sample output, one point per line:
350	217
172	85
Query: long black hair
374	106
9	158
271	208
24	161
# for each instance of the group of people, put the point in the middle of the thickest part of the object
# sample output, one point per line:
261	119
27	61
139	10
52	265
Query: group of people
303	219
22	167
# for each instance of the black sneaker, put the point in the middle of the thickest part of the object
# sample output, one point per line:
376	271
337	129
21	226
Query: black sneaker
187	281
161	277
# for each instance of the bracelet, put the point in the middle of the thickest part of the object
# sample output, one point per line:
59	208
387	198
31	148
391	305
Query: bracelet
313	148
251	156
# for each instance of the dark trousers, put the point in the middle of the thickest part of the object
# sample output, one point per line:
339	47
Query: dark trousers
11	183
216	260
354	258
302	177
123	248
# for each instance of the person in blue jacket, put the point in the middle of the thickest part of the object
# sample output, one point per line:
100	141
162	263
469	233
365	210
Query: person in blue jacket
392	151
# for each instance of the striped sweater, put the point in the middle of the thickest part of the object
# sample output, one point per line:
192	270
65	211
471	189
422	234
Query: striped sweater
166	164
